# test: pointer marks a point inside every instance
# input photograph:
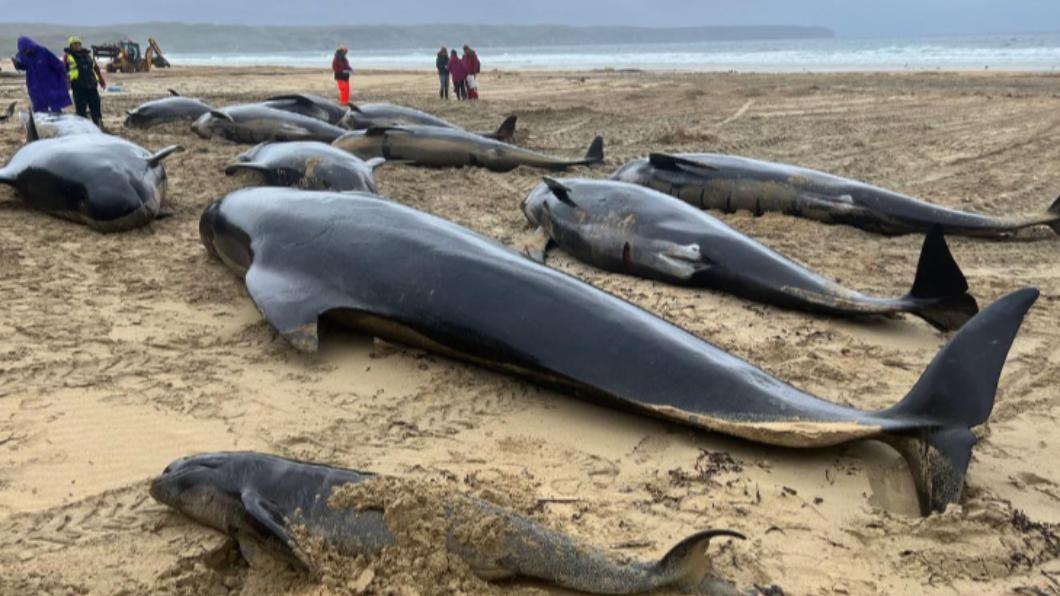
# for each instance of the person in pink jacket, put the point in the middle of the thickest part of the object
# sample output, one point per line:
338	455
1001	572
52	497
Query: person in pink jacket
458	72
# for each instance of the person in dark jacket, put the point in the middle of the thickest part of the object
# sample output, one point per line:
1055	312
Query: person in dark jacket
442	63
85	80
341	66
473	68
45	76
458	72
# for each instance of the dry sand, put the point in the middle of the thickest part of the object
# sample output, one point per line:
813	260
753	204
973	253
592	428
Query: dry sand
119	353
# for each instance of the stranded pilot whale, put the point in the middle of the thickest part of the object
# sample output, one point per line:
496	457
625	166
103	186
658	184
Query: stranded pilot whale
258	499
410	277
168	109
436	147
627	228
47	125
102	181
256	123
370	115
730	183
311	165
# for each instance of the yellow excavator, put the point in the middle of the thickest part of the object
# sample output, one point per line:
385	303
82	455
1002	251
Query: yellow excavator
124	56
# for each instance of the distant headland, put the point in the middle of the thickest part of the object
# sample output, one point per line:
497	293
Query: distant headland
197	38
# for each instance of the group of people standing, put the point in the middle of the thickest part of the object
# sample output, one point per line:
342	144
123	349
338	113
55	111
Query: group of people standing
50	80
463	70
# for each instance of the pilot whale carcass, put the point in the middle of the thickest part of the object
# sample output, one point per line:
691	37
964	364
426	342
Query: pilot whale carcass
258	498
731	183
407	276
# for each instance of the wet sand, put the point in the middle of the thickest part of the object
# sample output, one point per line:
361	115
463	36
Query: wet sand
119	353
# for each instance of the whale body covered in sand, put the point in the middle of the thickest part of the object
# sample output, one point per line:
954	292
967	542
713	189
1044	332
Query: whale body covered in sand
258	498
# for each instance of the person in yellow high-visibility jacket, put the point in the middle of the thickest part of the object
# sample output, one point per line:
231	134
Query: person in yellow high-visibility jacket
85	80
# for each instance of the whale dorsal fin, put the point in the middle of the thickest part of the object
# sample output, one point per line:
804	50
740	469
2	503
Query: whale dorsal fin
32	134
562	191
174	92
666	161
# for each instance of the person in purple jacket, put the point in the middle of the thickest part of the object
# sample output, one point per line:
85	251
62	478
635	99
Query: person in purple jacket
45	76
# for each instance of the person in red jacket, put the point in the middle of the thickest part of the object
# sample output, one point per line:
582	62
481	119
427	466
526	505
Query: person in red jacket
473	68
458	71
341	66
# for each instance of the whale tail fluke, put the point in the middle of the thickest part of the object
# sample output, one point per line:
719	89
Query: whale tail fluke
686	563
1054	209
932	424
940	280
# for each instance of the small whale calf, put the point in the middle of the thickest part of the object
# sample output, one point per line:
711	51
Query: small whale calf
255	123
377	115
437	147
371	115
413	278
311	165
626	228
730	183
257	499
166	110
309	105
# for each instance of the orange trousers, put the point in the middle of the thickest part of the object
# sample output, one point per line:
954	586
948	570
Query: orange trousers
344	92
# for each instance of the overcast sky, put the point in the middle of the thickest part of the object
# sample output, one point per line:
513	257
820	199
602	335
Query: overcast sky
848	18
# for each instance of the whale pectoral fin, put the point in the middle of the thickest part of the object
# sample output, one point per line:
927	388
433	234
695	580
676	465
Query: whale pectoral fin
375	162
157	158
536	246
665	161
9	112
222	115
248	547
682	261
288	304
560	190
267	522
234	168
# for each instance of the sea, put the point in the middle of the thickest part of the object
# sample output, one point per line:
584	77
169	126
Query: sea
1023	52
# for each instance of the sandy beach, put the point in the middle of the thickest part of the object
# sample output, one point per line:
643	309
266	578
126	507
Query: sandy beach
119	353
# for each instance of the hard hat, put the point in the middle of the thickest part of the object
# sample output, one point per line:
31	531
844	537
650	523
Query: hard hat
73	39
